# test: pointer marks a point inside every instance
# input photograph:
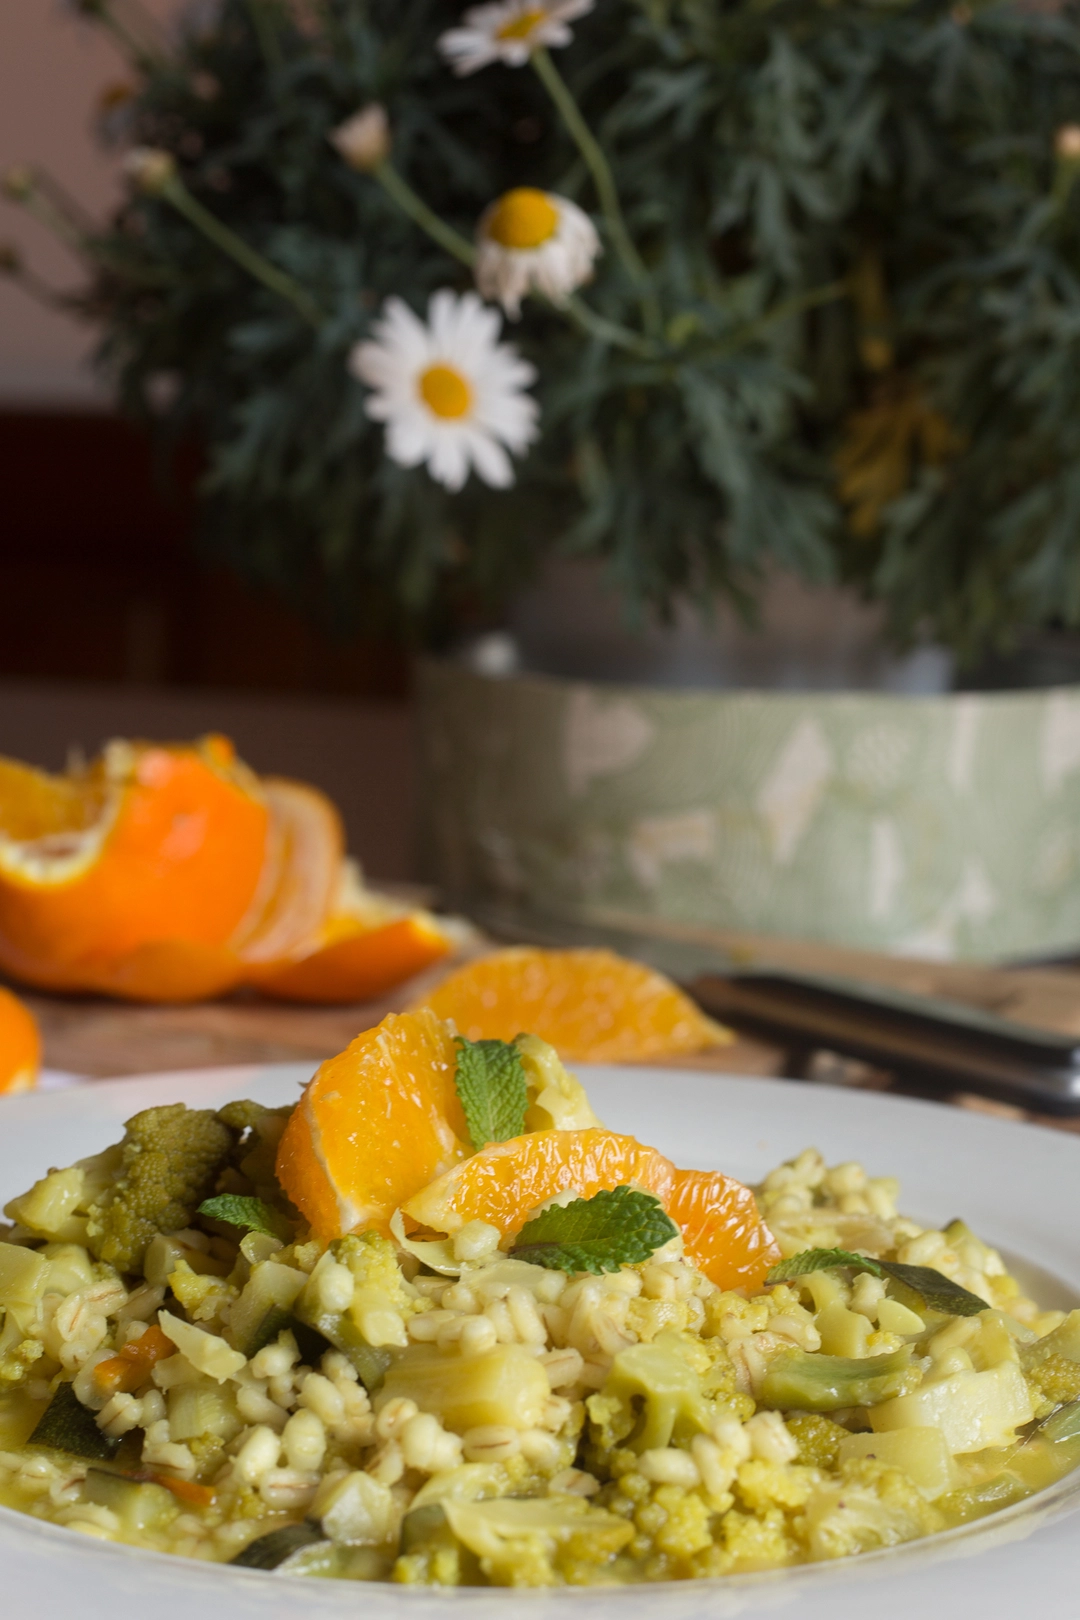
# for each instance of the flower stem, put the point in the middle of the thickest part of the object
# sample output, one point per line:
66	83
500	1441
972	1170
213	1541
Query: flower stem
598	326
399	189
266	34
248	258
603	179
749	333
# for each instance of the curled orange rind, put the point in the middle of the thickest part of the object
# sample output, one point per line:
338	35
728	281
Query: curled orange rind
176	874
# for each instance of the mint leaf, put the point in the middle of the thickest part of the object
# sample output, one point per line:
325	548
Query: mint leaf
809	1260
937	1292
250	1213
620	1227
490	1081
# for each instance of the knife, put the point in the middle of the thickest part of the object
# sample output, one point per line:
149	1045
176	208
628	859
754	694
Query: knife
946	1044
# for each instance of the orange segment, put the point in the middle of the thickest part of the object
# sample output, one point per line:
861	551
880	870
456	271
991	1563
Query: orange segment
374	1125
722	1231
505	1181
144	845
591	1005
20	1045
359	965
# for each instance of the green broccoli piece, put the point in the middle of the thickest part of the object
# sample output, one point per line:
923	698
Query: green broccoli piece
260	1130
170	1159
1055	1378
818	1439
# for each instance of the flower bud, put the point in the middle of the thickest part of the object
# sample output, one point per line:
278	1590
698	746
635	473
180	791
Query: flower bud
1067	143
150	169
364	139
19	184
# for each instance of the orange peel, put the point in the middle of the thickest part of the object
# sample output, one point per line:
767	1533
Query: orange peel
174	874
20	1045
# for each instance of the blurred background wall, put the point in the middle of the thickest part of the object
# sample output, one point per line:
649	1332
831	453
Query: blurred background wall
108	624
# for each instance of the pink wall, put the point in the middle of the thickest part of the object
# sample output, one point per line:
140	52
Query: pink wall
53	68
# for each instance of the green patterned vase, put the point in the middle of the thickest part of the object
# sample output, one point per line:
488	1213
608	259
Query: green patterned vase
943	826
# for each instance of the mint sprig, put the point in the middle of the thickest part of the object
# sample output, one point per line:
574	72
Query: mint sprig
937	1292
490	1082
616	1227
250	1213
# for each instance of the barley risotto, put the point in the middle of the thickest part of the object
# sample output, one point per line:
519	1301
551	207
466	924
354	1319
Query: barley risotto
187	1367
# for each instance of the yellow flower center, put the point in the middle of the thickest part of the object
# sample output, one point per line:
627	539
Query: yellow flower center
523	218
445	392
522	26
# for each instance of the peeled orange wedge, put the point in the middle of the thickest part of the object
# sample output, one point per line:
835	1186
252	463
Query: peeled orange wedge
375	1125
591	1005
723	1234
174	874
20	1045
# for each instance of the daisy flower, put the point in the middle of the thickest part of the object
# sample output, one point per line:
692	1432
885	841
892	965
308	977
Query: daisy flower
450	393
509	31
532	239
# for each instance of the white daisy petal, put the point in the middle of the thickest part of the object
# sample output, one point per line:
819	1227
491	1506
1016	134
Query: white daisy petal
491	461
448	461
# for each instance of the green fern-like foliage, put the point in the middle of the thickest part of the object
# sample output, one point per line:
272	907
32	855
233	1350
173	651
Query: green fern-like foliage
862	236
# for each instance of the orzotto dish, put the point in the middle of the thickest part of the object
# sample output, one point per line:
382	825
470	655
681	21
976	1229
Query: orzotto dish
615	1382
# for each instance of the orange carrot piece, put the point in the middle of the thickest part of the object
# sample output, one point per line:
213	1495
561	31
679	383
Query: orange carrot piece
187	1490
133	1362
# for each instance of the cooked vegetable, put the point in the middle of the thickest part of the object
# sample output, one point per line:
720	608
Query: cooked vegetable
615	1227
271	1551
804	1382
134	1362
505	1386
272	1287
973	1410
138	1504
67	1425
171	1157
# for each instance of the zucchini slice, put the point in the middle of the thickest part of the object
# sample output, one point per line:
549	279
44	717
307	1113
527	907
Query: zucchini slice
67	1425
271	1550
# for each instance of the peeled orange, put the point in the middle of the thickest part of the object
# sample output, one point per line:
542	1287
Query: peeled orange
723	1233
20	1045
174	874
375	1125
591	1005
144	845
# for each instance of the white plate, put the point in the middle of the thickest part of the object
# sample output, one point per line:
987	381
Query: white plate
1017	1185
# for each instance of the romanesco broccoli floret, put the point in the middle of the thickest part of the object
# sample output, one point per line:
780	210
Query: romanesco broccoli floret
869	1505
261	1130
817	1437
372	1259
1055	1378
170	1159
